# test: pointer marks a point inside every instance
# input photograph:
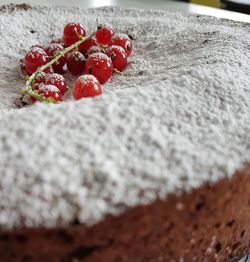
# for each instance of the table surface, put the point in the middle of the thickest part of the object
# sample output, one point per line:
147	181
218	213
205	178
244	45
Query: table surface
147	4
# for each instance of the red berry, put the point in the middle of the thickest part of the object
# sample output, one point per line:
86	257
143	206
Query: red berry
104	34
76	62
85	46
99	65
52	51
95	49
48	91
40	78
23	71
35	58
58	81
72	32
49	70
118	57
86	86
124	41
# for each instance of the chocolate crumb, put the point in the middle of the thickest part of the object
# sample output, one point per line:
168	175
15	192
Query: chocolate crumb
230	223
218	247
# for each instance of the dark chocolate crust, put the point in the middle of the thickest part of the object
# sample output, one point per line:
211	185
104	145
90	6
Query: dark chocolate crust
209	224
12	7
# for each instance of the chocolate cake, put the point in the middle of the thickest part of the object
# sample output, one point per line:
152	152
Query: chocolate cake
155	169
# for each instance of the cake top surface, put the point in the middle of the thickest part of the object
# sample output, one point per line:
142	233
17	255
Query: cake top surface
177	118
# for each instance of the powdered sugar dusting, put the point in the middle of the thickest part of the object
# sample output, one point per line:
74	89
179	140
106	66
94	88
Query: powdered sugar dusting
99	56
86	78
53	78
94	49
47	88
120	36
118	48
37	51
178	117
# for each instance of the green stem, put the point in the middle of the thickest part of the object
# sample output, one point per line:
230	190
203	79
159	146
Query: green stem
28	86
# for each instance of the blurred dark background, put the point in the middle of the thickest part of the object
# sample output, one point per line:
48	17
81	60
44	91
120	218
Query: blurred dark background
242	6
220	7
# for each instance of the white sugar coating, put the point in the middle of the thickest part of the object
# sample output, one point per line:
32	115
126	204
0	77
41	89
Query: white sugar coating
95	48
47	88
55	46
117	47
178	117
54	78
85	78
36	51
99	56
120	36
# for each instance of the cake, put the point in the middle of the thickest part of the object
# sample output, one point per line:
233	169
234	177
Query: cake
154	169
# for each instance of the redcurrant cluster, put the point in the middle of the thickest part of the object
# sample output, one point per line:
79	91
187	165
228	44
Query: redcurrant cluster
95	57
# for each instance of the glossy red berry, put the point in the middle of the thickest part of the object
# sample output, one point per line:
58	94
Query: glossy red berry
99	65
52	50
118	57
40	77
124	41
95	49
48	91
49	70
35	58
58	81
72	32
76	62
86	86
85	46
104	34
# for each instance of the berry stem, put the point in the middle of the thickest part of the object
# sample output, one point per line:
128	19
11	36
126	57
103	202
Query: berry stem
29	83
115	71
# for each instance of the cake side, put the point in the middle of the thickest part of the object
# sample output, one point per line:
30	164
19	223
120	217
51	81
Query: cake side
209	224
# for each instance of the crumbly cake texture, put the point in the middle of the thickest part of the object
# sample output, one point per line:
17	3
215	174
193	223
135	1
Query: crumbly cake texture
178	117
